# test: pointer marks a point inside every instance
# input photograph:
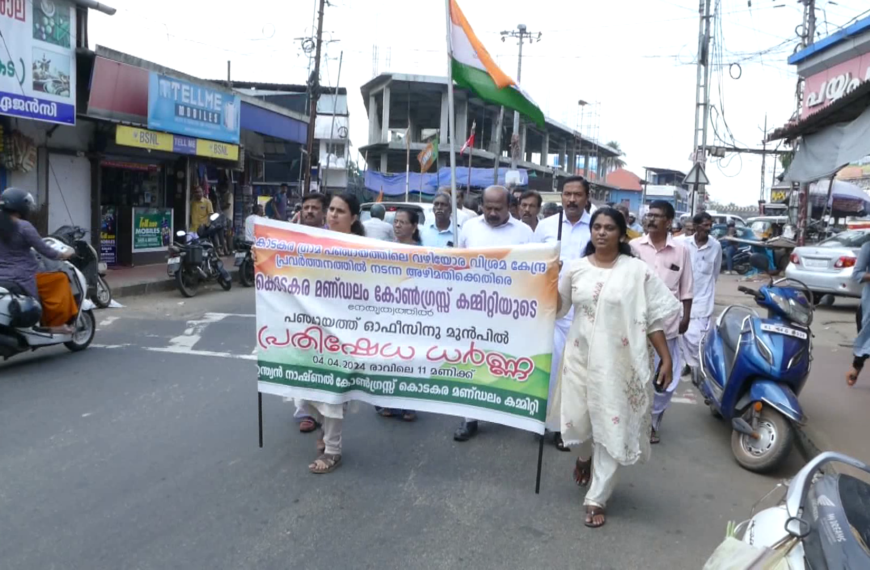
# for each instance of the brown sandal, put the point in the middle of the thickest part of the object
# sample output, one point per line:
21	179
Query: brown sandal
325	464
321	446
582	472
594	516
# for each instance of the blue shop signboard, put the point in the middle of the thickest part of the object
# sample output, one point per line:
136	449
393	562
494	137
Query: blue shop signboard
181	107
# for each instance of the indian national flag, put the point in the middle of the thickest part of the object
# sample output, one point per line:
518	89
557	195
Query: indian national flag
474	69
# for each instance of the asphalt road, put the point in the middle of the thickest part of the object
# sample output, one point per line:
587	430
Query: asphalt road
141	452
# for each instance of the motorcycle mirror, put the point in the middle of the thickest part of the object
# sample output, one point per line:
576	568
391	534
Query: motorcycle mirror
180	233
760	262
214	216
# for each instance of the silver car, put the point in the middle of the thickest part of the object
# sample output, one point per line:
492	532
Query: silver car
826	267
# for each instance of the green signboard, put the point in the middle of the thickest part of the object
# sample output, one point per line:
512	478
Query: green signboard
152	229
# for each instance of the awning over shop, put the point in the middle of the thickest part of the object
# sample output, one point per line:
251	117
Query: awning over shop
266	122
822	154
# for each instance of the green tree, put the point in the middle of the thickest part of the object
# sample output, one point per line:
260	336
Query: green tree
614	162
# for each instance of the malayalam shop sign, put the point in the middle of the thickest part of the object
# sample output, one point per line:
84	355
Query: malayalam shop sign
37	62
178	106
827	86
152	140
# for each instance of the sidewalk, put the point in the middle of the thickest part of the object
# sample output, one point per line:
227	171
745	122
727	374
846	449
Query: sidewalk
145	279
836	414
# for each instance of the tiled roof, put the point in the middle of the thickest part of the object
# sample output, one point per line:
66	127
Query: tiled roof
624	180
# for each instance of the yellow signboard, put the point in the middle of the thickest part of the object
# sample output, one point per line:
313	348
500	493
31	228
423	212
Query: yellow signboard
216	149
153	140
143	138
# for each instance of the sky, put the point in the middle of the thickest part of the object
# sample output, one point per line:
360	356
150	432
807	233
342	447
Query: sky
632	60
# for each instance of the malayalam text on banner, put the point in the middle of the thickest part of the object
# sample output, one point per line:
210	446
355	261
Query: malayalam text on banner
465	332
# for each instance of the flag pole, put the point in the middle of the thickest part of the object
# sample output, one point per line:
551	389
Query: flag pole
451	120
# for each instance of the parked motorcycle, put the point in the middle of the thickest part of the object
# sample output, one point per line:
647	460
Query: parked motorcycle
20	313
752	369
822	523
88	262
244	260
740	261
193	259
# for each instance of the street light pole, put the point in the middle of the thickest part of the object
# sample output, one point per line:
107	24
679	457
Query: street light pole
521	33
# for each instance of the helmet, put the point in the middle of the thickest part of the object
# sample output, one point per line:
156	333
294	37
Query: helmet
25	312
17	200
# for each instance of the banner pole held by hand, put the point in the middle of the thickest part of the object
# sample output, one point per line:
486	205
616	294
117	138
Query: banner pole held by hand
540	462
260	413
561	213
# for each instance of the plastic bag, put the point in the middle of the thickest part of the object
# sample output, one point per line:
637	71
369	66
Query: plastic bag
734	554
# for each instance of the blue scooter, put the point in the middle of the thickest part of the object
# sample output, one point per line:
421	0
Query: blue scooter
752	369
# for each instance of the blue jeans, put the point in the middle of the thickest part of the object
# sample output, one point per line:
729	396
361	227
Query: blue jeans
729	252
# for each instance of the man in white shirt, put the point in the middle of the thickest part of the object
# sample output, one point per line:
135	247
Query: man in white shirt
256	212
376	227
494	228
706	255
575	237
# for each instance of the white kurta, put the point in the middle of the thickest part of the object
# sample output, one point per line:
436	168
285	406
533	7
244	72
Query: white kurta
604	387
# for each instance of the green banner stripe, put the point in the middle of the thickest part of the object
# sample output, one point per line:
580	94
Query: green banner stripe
439	390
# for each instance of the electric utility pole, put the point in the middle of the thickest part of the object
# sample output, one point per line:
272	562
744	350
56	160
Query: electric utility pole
314	86
807	39
521	33
702	96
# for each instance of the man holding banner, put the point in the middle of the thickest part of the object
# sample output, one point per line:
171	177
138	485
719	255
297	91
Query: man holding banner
574	236
496	227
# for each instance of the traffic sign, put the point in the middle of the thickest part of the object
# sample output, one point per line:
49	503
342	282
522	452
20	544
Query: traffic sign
696	175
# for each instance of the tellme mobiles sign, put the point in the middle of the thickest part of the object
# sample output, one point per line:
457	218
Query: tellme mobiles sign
37	62
181	107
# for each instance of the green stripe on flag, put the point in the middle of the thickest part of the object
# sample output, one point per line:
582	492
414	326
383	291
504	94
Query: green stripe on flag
484	87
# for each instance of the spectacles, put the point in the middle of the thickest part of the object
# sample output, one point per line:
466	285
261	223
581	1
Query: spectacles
656	216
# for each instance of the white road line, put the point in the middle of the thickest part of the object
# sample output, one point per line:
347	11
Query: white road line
108	321
220	316
178	350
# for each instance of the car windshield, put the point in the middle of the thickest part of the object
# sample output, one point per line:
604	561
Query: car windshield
851	239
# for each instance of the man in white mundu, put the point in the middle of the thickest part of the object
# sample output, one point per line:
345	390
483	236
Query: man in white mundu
575	236
706	255
495	228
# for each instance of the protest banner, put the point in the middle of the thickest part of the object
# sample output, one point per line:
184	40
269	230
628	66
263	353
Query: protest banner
464	332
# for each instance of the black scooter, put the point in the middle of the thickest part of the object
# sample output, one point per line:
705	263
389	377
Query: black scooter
88	262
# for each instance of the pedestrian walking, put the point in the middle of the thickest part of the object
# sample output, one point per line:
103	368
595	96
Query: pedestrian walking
405	227
861	346
200	209
604	382
706	256
257	212
343	217
440	232
496	227
670	260
376	227
575	238
313	215
530	207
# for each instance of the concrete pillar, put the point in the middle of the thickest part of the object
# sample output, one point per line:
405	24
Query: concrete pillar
444	118
572	161
460	100
586	166
545	149
384	162
563	156
374	121
494	135
412	131
385	121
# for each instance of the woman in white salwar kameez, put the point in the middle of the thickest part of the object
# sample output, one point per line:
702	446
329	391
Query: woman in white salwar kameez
604	402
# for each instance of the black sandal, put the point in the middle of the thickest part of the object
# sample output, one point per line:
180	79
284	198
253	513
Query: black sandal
559	442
